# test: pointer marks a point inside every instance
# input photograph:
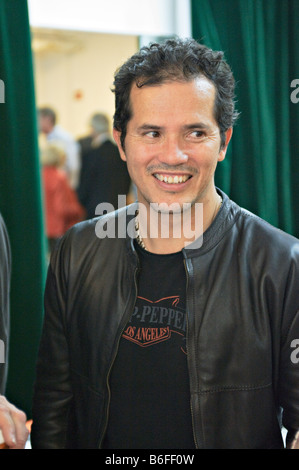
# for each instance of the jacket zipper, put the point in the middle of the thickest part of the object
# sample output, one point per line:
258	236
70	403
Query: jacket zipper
187	342
115	354
113	360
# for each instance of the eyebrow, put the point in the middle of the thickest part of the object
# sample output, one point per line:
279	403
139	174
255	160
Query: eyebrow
148	127
196	125
153	127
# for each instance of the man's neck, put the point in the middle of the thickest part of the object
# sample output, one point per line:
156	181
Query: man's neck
163	233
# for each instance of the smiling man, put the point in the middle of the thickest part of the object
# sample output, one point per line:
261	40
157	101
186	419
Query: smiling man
155	342
172	148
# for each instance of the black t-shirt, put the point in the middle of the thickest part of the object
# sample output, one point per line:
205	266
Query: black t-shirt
149	382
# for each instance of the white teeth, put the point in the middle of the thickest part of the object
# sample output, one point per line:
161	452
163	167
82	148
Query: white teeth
172	179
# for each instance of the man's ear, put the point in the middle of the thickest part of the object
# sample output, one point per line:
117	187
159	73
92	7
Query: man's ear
228	136
116	136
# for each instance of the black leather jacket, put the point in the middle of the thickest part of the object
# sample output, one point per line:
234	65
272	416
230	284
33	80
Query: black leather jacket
243	318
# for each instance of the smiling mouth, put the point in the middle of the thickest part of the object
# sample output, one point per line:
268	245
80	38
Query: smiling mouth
172	179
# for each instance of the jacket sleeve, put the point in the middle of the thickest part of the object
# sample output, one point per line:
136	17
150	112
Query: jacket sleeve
289	356
53	393
5	269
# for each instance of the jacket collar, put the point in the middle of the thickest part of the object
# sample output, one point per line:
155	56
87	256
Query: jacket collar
224	220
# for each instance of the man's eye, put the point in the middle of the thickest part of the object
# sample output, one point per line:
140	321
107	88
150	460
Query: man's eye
197	134
152	134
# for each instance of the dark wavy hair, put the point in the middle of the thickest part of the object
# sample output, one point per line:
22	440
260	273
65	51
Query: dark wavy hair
175	60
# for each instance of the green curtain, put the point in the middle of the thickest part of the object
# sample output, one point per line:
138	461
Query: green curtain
260	41
20	198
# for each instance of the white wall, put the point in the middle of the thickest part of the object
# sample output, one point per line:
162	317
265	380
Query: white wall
60	76
135	17
88	40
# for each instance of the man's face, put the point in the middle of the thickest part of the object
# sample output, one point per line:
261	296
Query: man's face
172	144
45	124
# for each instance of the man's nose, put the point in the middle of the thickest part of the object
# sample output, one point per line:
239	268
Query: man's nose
172	152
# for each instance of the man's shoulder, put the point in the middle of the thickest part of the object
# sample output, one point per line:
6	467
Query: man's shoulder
266	227
250	229
100	242
265	235
105	230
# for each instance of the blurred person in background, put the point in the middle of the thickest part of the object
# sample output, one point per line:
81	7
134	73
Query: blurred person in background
62	208
84	143
49	129
13	429
104	174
